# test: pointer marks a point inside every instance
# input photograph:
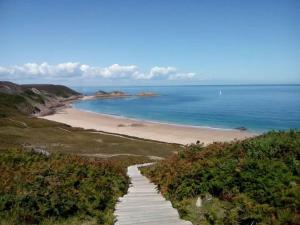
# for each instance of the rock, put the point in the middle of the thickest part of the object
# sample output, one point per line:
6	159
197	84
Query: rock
113	94
118	93
199	202
241	128
41	151
101	93
208	197
36	91
146	94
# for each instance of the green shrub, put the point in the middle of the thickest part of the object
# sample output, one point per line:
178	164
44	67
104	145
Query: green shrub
256	180
34	187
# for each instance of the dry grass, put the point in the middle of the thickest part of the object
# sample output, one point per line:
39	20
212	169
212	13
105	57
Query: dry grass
57	137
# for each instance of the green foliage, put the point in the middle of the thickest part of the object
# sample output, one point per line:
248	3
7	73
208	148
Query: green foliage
256	181
35	188
21	99
57	90
16	104
13	104
36	97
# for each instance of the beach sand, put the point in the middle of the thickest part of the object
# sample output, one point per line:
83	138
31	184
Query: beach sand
145	129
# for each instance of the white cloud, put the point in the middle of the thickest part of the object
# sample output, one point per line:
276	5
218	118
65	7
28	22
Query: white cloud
113	71
43	69
75	69
162	71
181	76
4	70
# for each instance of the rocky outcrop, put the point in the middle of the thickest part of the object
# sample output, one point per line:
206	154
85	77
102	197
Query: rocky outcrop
147	94
113	94
241	128
117	94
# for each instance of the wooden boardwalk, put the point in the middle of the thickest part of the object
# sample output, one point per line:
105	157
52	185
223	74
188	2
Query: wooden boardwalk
143	205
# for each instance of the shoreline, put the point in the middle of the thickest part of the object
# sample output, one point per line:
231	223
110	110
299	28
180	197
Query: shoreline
159	122
151	130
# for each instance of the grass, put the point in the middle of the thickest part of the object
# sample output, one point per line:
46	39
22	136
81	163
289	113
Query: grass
57	90
26	132
13	105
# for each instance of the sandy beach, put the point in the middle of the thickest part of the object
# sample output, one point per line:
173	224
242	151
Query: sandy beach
145	129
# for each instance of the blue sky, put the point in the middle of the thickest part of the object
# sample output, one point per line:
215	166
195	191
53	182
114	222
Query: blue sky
150	42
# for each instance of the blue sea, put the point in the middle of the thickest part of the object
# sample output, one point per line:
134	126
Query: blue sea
257	107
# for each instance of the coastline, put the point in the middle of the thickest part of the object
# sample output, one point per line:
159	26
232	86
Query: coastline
153	121
157	131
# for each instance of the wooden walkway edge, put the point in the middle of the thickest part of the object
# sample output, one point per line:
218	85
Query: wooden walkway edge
143	205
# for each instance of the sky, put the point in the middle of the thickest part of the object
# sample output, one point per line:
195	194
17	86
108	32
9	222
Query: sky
150	42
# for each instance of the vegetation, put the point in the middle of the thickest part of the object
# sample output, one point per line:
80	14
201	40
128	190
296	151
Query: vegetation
34	133
255	181
57	90
36	189
15	104
32	99
18	130
63	188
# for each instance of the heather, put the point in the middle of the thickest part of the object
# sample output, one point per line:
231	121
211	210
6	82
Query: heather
39	189
255	181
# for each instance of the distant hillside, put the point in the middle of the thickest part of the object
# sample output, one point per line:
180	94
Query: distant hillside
32	99
58	90
10	88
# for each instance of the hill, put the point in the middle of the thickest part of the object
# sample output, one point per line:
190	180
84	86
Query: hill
33	99
255	181
56	90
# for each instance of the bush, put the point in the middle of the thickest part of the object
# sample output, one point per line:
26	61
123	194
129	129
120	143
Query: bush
255	180
34	187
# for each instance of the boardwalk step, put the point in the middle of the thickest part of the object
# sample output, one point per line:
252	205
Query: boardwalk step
144	205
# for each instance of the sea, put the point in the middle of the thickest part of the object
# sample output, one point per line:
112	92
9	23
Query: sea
257	108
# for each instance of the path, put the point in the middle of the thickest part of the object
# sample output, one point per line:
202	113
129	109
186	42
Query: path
106	155
143	205
20	122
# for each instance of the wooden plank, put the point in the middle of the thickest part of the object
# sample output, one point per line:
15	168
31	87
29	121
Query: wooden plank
144	205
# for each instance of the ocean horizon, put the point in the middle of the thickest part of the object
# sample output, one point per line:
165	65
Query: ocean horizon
258	108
